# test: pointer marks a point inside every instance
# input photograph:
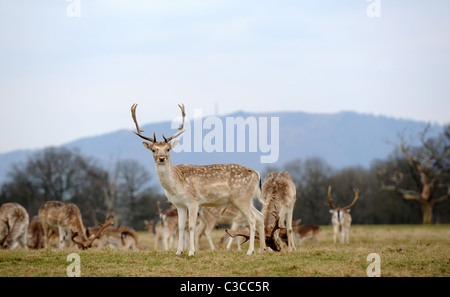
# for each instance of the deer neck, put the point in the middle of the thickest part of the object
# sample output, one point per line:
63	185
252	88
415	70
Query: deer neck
166	176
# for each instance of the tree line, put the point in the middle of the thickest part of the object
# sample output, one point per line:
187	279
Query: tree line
411	186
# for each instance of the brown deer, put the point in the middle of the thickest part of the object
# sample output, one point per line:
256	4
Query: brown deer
65	218
305	232
341	217
279	195
123	237
13	226
190	186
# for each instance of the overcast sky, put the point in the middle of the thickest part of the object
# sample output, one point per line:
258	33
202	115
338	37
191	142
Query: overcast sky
73	69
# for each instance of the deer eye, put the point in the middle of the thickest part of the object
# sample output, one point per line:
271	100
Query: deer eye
153	150
168	149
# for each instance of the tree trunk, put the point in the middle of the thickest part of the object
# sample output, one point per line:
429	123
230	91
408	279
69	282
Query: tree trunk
427	212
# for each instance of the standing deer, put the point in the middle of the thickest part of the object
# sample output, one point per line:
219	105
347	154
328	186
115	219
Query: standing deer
279	195
340	217
212	216
13	226
190	186
65	218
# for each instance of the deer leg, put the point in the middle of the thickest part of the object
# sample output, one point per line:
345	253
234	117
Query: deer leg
182	214
335	232
61	237
260	223
201	227
193	211
290	231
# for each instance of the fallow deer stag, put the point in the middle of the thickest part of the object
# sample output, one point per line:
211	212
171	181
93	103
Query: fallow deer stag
190	186
13	226
341	218
65	218
279	195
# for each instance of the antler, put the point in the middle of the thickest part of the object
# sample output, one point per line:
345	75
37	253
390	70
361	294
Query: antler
109	221
354	200
330	200
183	114
277	226
138	133
233	234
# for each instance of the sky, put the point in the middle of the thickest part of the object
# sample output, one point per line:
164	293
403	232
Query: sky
72	68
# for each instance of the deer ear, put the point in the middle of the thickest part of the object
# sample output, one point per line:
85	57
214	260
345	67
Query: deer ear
347	210
174	143
147	145
331	210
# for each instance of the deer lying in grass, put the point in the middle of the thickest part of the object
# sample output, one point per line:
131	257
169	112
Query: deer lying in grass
305	232
279	195
65	218
189	187
123	237
341	218
13	226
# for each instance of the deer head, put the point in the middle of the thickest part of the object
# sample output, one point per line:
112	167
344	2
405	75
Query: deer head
338	212
271	240
87	244
160	149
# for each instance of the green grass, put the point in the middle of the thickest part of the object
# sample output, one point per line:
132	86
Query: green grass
412	250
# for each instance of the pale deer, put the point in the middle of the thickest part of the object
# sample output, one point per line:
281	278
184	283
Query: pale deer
279	196
13	226
157	231
65	218
190	186
341	217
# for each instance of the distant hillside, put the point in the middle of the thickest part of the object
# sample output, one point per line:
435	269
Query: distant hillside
342	139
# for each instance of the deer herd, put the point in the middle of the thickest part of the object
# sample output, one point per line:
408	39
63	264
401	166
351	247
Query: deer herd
201	197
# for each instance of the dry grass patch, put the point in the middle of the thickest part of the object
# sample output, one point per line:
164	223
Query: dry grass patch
404	251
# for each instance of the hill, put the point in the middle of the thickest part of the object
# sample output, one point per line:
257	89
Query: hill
342	139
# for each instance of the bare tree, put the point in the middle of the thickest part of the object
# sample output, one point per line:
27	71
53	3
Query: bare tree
429	166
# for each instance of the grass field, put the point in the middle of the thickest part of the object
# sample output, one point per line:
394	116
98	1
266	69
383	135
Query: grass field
404	250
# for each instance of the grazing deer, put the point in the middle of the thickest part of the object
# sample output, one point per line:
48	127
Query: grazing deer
13	226
190	186
65	218
340	217
35	234
279	195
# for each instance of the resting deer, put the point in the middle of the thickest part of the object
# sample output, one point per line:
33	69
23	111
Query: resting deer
65	218
340	217
123	237
190	186
279	195
305	232
13	226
